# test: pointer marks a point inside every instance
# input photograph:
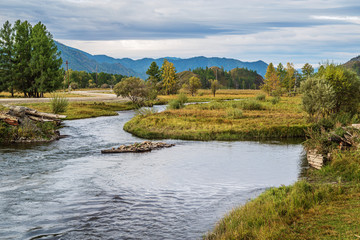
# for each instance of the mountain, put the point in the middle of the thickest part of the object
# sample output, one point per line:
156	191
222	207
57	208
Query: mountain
354	64
82	61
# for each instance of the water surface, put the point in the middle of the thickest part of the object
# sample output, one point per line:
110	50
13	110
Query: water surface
68	190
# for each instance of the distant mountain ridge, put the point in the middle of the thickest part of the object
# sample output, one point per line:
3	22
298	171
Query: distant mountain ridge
82	61
354	64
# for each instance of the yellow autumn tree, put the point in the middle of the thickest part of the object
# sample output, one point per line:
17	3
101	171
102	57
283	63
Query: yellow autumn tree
290	76
271	82
169	77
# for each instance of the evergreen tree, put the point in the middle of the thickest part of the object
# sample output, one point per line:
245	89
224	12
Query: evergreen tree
169	77
22	57
307	71
45	61
154	73
7	77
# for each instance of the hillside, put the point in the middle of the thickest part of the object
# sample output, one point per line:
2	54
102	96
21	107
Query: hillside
82	61
354	64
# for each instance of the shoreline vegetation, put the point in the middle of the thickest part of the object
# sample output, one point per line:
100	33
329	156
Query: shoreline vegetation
225	119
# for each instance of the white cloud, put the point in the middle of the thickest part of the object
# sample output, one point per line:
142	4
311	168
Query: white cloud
350	19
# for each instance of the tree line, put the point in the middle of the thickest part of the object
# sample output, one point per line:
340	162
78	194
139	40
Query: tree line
285	80
29	60
82	79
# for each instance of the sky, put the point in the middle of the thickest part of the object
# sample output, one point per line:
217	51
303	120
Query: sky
297	31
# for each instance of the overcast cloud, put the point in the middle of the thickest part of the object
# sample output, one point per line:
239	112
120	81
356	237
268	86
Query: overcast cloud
298	31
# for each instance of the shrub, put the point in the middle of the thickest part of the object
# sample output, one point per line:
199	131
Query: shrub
105	85
179	102
318	97
58	104
74	85
261	97
251	105
145	111
234	113
133	88
275	100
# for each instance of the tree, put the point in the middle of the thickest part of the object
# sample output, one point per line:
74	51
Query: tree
346	85
290	76
169	77
214	85
154	73
22	57
133	88
45	62
281	73
271	83
307	71
318	97
192	85
7	74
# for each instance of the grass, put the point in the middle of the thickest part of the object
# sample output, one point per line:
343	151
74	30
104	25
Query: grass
80	110
325	206
222	120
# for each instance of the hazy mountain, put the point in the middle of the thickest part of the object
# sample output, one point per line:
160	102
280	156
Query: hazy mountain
82	61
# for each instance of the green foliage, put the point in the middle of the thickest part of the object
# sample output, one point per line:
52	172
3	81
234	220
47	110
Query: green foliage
251	105
154	73
193	85
307	71
29	60
270	215
59	104
133	88
275	100
234	113
260	97
319	98
346	86
214	85
179	102
145	111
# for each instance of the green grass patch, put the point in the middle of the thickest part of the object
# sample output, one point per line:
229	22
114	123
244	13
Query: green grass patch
80	110
222	120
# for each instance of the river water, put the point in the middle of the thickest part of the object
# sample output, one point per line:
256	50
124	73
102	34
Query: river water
68	190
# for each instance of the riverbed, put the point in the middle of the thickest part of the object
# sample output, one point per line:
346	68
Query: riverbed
68	190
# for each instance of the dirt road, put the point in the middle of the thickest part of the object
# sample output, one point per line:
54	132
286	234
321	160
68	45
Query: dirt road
95	95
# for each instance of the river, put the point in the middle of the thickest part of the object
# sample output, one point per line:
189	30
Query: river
68	190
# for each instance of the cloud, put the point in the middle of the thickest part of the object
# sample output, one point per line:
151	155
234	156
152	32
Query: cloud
298	30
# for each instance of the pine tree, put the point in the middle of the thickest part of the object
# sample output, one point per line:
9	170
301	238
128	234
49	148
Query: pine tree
154	73
45	61
7	78
22	57
169	77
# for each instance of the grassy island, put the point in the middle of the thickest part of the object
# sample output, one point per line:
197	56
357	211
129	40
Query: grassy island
243	118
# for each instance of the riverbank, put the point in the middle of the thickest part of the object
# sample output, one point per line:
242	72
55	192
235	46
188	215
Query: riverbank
324	206
243	119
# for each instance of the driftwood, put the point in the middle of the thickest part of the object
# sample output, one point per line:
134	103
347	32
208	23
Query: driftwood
11	120
16	114
138	147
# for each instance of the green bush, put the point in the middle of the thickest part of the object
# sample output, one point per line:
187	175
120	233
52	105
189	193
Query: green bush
261	97
251	105
234	113
275	100
58	104
179	102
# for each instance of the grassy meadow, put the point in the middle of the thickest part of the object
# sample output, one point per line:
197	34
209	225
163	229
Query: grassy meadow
324	206
224	118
